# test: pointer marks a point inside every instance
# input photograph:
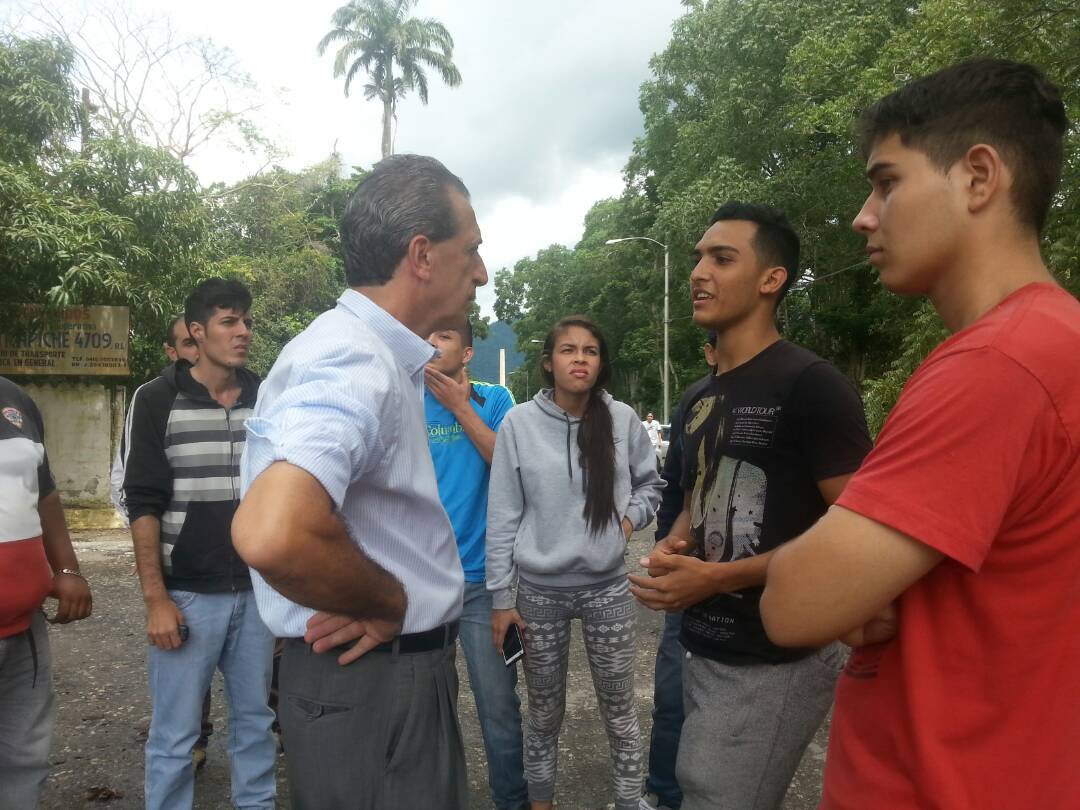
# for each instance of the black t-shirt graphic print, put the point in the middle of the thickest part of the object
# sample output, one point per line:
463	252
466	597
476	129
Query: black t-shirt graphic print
757	440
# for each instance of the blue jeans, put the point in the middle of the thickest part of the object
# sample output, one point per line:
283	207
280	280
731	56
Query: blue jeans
226	633
497	704
27	716
667	715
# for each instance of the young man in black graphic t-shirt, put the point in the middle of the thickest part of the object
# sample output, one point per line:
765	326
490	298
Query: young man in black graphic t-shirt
768	444
757	440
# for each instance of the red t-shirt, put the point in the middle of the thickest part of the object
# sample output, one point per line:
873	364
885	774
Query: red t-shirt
975	704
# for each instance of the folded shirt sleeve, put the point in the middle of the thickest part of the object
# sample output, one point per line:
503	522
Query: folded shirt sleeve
334	422
950	459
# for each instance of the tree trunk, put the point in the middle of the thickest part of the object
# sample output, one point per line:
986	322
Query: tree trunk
857	365
387	116
388	111
84	119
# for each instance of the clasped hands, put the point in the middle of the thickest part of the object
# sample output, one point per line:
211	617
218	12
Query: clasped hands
675	581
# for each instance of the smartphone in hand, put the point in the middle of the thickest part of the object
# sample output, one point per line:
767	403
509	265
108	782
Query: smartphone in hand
512	648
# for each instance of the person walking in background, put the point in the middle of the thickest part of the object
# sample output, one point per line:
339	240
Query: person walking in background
768	444
181	488
36	561
952	559
661	785
462	420
652	427
573	475
341	520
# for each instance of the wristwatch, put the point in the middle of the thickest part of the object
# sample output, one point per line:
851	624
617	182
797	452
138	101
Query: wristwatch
73	573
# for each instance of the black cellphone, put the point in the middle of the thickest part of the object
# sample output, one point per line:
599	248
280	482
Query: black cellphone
184	632
512	648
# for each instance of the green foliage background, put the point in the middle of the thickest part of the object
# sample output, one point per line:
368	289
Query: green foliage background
755	100
751	99
115	221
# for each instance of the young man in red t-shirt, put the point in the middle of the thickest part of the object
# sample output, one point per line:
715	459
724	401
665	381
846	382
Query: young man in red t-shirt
952	559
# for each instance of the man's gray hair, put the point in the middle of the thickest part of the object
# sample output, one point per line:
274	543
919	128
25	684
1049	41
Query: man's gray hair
404	196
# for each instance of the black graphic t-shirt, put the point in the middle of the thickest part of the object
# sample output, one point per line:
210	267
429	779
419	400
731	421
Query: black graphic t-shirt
756	441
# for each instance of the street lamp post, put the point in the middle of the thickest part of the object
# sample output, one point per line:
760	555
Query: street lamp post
667	278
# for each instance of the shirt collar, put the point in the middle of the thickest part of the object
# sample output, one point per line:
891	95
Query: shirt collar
408	348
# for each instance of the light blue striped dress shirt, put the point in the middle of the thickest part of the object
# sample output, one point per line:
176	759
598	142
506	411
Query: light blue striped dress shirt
345	401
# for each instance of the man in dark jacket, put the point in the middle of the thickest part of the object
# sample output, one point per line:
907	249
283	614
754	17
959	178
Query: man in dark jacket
181	487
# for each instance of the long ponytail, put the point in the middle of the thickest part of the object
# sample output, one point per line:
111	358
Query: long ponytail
596	435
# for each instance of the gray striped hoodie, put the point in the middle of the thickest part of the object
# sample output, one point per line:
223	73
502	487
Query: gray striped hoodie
182	465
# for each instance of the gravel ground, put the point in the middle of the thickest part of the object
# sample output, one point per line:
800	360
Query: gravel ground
99	676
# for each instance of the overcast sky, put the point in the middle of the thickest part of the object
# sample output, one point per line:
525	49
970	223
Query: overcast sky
540	128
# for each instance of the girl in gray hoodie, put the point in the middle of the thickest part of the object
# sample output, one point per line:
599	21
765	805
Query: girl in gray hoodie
573	474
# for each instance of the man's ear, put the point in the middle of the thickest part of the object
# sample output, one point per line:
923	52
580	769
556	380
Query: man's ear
467	354
197	332
418	257
985	174
773	280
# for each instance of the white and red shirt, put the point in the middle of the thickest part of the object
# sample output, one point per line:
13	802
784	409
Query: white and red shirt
25	575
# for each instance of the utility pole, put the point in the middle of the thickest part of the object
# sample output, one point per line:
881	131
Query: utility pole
665	410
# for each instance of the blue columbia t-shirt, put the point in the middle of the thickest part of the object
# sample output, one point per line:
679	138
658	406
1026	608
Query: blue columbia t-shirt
462	472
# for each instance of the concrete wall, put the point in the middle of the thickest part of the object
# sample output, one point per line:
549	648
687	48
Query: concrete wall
82	422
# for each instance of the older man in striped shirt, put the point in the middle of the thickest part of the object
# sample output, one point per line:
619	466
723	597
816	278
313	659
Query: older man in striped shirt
353	557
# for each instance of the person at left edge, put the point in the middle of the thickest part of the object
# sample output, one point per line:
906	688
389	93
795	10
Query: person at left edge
182	486
341	520
462	418
36	561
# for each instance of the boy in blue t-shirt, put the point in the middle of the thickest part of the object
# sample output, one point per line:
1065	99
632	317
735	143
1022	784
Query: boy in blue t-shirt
462	418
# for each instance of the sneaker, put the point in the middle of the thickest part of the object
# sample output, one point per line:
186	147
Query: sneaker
198	758
650	801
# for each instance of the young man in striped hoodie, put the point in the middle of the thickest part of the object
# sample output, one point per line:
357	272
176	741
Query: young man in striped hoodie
181	487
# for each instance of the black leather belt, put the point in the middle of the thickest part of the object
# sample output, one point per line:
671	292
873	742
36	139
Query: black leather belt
409	643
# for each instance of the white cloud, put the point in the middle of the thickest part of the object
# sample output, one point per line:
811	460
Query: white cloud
515	219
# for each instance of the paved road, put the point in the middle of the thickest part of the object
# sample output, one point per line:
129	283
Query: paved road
100	681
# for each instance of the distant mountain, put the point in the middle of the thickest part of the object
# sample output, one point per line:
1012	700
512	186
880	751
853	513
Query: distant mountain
485	363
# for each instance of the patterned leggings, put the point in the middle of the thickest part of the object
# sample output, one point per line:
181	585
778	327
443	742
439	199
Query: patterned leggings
608	616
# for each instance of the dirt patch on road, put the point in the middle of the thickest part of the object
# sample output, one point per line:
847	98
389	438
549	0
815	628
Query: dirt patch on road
100	681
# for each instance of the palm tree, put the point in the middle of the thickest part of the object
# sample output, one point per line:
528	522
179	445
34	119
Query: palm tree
379	38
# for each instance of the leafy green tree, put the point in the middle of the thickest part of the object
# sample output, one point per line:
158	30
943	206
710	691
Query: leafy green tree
37	98
393	49
115	223
756	100
278	232
621	287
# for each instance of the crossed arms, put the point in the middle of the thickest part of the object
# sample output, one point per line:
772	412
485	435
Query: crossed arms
837	580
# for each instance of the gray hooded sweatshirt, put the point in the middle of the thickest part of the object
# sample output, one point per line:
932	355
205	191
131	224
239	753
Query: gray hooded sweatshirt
536	499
